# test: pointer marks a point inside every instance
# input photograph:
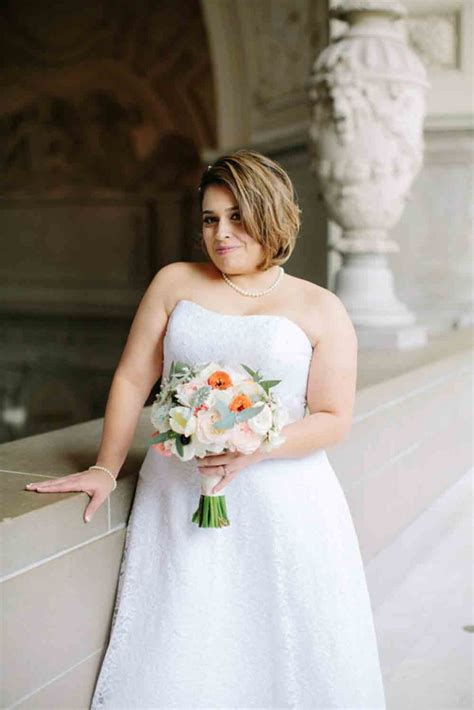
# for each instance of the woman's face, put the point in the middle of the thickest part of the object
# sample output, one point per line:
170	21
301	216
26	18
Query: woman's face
222	228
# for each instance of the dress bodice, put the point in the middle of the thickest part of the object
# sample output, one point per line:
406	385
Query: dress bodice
273	344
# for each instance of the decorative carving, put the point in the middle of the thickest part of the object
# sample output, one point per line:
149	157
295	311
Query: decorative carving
366	133
435	38
366	144
341	8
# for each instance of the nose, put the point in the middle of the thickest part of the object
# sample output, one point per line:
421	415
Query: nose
223	228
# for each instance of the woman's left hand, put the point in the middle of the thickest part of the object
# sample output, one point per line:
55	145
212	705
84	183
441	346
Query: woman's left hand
235	462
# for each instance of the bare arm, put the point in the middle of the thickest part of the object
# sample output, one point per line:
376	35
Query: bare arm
139	368
124	405
331	388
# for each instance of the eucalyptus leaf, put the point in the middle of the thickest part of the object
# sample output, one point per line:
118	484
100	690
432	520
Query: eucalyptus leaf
227	422
222	408
248	413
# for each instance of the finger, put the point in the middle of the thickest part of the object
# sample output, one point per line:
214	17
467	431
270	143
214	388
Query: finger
208	470
50	481
55	487
94	504
216	462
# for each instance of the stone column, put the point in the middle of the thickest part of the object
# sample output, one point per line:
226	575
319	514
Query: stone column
366	141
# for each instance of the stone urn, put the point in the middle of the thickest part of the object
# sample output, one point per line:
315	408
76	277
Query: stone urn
366	143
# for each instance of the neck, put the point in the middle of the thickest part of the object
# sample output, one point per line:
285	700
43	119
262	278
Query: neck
254	280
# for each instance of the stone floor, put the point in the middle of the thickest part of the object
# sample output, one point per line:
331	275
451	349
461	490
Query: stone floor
425	623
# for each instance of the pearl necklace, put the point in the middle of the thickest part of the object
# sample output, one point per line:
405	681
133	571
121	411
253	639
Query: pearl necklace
244	291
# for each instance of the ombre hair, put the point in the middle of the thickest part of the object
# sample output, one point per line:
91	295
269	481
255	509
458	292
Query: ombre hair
266	198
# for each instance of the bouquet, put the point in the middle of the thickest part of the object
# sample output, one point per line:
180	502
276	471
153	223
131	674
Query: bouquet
209	408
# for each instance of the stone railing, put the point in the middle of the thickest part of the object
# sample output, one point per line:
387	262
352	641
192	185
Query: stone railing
411	440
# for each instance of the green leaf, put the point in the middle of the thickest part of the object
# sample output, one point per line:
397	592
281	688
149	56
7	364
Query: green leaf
179	445
227	421
256	376
248	413
267	384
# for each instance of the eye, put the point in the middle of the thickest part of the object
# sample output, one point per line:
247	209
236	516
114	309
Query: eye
212	219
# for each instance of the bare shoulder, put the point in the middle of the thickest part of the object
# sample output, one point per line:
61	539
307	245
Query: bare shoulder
171	280
174	270
335	319
322	310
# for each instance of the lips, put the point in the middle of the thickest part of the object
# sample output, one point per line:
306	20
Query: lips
224	250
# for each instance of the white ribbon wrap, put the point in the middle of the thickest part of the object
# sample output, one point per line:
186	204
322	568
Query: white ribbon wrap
208	483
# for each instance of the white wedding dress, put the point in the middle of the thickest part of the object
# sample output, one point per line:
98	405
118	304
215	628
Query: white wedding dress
271	611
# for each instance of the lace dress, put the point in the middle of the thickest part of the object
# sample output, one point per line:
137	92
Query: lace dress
272	611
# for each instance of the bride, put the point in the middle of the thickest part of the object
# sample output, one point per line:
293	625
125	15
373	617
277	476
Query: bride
272	611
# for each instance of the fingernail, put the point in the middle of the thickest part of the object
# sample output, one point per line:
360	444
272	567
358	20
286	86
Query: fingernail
87	519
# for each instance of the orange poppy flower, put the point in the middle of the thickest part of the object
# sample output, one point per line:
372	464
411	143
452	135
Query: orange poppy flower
240	401
220	380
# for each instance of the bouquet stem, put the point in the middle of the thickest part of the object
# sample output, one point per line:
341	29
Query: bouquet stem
211	511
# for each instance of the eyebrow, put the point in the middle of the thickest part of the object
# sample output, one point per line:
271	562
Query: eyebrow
229	209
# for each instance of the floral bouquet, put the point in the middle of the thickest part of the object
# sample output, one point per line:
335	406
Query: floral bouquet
209	408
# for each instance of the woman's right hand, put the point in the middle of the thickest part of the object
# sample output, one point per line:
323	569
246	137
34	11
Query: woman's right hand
96	483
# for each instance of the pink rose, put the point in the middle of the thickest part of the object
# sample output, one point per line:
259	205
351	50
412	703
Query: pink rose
205	427
244	439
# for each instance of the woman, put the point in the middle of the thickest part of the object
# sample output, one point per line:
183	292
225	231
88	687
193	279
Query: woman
273	610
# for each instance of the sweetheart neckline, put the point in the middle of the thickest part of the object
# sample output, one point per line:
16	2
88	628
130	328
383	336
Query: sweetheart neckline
250	315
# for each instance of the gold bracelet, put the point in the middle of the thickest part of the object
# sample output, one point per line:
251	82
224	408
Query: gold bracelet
102	468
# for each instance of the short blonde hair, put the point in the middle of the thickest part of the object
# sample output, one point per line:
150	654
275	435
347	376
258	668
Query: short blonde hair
266	198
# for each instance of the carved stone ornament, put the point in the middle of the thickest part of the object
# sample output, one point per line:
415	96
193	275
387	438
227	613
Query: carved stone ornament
367	96
367	100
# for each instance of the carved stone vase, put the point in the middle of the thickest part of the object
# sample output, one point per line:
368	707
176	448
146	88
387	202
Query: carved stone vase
366	141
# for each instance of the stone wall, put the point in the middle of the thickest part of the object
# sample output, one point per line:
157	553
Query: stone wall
103	115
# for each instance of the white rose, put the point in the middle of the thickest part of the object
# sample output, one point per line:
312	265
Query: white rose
185	392
206	432
280	416
262	421
200	448
224	396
